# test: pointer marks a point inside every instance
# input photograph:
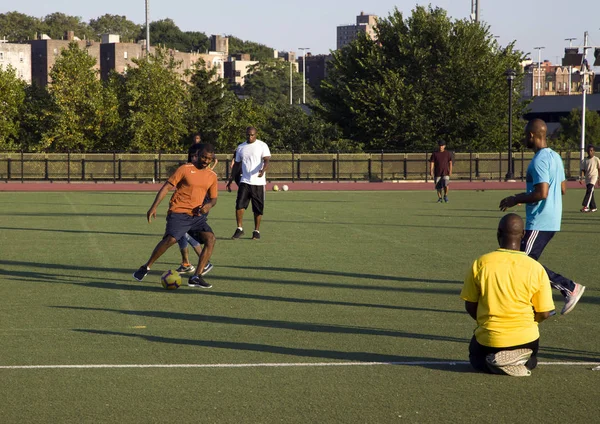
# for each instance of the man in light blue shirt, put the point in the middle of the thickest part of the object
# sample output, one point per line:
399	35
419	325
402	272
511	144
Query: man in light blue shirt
546	184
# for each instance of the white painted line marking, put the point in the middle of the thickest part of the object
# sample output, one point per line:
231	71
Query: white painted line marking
293	364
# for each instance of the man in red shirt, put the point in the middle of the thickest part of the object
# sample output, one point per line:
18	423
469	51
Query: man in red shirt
440	170
187	210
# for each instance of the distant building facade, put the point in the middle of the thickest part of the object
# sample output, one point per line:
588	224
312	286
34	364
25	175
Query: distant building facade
546	79
237	68
316	68
365	24
17	56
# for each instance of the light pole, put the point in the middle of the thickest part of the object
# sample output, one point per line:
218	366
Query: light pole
539	49
510	77
303	72
147	29
570	40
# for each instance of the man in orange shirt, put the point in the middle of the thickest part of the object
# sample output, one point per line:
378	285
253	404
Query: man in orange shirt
187	210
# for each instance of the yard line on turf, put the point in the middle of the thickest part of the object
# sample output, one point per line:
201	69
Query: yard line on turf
266	365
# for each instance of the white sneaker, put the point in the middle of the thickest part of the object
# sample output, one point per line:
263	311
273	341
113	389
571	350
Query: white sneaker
572	299
509	357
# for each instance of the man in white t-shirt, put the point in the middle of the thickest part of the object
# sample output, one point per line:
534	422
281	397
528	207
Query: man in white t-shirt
251	160
589	169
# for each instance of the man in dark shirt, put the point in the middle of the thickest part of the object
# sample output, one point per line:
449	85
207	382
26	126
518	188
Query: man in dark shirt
440	170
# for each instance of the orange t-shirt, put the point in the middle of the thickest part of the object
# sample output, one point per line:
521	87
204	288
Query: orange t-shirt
192	185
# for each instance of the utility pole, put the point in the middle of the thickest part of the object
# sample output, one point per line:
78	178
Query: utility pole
584	72
570	40
539	49
475	11
291	79
304	49
147	29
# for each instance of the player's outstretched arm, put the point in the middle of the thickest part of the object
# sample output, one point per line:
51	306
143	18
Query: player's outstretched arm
159	196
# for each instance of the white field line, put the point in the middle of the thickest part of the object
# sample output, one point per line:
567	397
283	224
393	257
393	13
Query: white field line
265	365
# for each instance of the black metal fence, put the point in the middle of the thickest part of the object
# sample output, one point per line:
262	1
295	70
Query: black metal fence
382	166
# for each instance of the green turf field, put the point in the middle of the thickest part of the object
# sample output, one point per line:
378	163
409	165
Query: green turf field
339	280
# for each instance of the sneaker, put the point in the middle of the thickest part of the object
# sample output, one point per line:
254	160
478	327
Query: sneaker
208	268
198	281
585	209
186	268
593	210
255	235
141	273
514	370
572	299
439	200
446	199
509	357
238	233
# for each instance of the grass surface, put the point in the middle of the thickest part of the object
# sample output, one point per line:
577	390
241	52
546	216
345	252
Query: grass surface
337	277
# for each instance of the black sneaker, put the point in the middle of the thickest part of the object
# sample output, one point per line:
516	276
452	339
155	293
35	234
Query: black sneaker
255	235
141	273
238	233
197	281
208	268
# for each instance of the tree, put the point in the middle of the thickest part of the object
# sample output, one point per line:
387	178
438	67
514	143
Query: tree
425	78
12	96
36	117
166	34
240	114
207	102
569	136
270	82
57	24
256	51
77	106
115	24
17	27
155	98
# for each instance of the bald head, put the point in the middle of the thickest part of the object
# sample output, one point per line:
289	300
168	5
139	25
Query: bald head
511	231
535	134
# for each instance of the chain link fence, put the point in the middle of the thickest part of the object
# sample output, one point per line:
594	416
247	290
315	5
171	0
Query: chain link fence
376	167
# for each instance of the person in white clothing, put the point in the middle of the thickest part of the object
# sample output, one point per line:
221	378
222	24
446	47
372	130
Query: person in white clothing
251	161
590	167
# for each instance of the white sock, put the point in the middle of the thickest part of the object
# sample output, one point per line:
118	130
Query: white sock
240	228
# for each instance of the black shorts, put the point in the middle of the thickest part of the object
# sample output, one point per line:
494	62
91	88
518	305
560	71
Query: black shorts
180	223
247	192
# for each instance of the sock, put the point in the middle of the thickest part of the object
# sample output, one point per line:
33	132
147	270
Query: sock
240	228
256	231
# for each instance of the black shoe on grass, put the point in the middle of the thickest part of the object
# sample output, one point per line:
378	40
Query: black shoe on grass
255	235
238	233
141	273
197	281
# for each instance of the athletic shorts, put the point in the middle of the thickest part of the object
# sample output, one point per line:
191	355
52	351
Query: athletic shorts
254	193
441	182
178	224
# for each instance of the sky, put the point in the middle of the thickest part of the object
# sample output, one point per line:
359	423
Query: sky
288	25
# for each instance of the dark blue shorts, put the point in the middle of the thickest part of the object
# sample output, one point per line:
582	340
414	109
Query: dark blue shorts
178	224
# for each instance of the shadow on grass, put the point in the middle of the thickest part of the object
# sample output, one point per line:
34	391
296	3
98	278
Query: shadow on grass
116	233
278	324
265	348
157	288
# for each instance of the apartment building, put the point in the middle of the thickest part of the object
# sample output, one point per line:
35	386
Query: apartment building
365	24
546	79
17	56
316	68
236	69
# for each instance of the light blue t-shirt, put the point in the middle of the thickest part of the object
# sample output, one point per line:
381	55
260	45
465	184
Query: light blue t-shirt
545	167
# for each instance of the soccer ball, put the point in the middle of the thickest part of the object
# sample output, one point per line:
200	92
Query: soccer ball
285	188
170	280
275	187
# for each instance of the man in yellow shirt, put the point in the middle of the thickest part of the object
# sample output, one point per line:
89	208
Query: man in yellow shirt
508	294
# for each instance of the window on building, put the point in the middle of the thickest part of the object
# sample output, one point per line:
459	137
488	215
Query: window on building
55	52
124	55
1	55
238	73
21	57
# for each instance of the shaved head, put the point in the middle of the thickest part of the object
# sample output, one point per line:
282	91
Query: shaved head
537	127
535	134
510	231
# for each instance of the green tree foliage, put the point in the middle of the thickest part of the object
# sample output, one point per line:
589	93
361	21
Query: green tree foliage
165	33
17	27
425	78
12	96
269	81
156	99
256	51
115	24
569	137
207	102
240	114
77	105
57	24
36	117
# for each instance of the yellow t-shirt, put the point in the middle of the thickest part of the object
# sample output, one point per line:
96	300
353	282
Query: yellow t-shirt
507	286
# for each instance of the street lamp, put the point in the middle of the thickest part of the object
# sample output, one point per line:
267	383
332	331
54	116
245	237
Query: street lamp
510	77
539	49
303	72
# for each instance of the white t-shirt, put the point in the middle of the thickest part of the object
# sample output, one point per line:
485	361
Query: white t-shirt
251	156
590	167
